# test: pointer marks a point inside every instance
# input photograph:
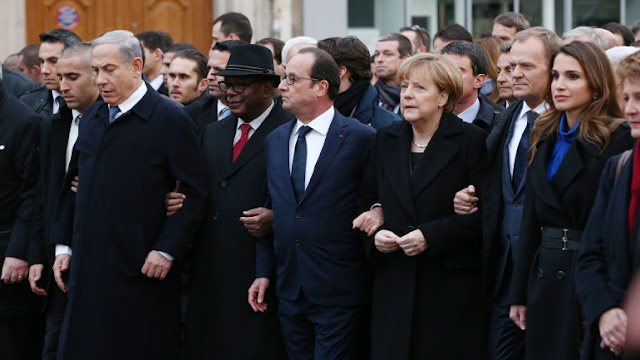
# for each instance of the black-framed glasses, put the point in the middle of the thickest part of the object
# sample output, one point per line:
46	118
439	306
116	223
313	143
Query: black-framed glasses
291	79
238	87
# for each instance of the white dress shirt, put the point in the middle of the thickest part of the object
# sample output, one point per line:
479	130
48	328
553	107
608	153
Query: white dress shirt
124	107
470	113
518	129
157	82
315	141
56	106
73	136
255	124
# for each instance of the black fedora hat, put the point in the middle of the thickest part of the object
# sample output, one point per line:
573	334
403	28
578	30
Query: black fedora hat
250	60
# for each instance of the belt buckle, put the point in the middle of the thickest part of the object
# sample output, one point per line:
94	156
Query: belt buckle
564	239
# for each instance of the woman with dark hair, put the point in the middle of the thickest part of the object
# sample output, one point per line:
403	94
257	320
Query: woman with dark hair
428	261
491	48
608	260
570	145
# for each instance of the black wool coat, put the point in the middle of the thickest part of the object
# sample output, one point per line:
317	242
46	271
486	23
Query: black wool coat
426	306
220	322
544	278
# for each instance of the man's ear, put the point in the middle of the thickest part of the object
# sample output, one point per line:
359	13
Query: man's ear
343	71
137	67
202	85
157	53
324	88
478	81
233	36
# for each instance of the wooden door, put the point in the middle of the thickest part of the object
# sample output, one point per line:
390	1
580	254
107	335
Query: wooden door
186	20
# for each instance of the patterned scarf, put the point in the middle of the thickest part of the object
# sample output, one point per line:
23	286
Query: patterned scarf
389	95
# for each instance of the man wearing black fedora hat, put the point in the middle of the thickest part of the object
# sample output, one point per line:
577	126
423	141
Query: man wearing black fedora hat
220	324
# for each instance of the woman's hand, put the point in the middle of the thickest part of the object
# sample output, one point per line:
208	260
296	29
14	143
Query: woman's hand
613	329
465	201
517	313
386	241
413	243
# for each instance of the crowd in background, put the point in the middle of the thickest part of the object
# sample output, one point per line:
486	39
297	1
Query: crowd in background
308	199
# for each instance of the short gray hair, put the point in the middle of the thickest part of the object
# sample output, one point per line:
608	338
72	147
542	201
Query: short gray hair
129	46
619	53
589	32
291	43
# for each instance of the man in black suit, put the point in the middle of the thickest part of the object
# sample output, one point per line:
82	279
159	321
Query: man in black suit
57	136
188	77
154	46
47	99
220	324
215	108
124	295
473	65
21	323
503	193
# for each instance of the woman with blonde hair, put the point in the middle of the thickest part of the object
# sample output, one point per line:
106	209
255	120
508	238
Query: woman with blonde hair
570	145
428	261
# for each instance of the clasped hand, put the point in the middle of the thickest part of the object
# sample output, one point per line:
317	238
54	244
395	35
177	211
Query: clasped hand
412	243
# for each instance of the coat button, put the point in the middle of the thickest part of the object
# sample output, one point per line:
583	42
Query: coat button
515	204
298	242
298	215
223	183
1	147
216	216
560	275
540	273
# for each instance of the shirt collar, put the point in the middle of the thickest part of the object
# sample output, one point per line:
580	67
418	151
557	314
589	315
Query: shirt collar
133	99
221	106
320	124
255	123
55	94
540	109
471	112
157	82
75	113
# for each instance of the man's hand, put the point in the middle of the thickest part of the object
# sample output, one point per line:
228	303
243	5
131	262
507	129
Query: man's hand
517	314
386	241
74	184
413	243
258	221
35	274
369	221
613	330
173	200
61	265
256	294
14	270
465	202
156	266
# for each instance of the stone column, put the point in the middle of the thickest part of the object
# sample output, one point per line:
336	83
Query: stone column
13	27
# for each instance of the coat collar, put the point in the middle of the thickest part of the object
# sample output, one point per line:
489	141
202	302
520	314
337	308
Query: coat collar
498	135
145	106
485	114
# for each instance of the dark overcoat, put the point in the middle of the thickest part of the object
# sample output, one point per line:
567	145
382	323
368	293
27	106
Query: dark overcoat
608	260
427	306
220	322
117	217
543	278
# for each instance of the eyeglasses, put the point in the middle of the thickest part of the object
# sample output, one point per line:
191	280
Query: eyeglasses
238	87
291	79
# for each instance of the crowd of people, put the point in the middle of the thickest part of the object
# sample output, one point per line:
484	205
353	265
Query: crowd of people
309	200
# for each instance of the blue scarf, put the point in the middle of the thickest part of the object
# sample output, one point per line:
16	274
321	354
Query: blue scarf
563	142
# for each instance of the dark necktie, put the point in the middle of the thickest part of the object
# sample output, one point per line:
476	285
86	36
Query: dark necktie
61	102
243	140
520	165
113	111
299	165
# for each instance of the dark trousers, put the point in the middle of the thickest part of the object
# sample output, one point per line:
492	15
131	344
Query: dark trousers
21	338
55	309
313	331
506	340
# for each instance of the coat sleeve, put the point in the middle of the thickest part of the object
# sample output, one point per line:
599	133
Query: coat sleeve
369	194
592	277
26	166
65	208
265	253
185	162
528	244
37	252
457	234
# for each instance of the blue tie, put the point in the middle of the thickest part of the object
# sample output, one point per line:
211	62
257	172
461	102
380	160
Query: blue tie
520	165
78	118
224	113
299	165
112	113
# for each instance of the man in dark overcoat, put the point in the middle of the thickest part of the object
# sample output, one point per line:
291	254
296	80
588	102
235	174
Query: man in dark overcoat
124	295
20	322
220	324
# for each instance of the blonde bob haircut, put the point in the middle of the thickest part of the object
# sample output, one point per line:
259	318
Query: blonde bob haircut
437	68
629	68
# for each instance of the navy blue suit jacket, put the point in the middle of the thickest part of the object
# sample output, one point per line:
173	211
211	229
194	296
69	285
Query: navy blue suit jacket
314	247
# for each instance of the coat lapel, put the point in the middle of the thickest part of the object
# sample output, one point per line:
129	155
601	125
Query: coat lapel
395	151
570	167
225	144
336	136
438	154
281	166
539	181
